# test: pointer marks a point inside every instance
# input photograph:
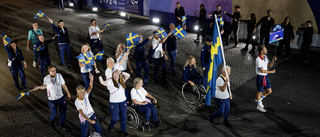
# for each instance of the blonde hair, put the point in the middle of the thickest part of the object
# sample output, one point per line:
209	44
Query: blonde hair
136	81
189	60
85	44
80	89
118	48
121	81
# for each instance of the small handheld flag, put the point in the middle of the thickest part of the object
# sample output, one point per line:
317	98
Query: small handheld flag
87	59
220	20
162	33
6	39
276	34
184	19
38	48
132	38
39	14
22	94
179	32
130	46
99	55
107	25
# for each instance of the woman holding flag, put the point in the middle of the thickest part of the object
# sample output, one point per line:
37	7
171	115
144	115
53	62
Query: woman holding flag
120	52
86	68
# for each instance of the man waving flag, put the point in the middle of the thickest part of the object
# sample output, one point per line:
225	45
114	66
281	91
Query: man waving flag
216	58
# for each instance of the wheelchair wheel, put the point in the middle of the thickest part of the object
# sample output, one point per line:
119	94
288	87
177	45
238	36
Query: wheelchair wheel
190	93
141	128
159	119
132	118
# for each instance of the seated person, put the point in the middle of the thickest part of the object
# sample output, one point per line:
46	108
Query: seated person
190	73
138	96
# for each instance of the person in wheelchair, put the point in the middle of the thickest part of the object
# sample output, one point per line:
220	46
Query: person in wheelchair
118	101
138	97
190	73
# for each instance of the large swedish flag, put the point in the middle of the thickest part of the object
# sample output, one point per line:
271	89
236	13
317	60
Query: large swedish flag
216	58
162	33
179	32
132	40
6	39
39	14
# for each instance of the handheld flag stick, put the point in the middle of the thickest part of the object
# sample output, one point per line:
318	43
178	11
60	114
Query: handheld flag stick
24	93
222	51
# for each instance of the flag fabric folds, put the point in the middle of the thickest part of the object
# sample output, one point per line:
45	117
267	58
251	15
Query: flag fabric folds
39	14
220	20
107	25
132	39
184	19
22	94
87	59
162	33
179	32
6	39
216	58
99	55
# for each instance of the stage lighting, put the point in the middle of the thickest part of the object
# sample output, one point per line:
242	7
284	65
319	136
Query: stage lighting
196	27
155	20
94	9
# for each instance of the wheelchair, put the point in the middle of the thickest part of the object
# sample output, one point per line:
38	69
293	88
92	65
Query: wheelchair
136	119
193	94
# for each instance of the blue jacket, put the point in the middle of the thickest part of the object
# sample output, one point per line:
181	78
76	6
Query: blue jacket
171	43
63	36
140	55
189	72
44	52
15	56
205	55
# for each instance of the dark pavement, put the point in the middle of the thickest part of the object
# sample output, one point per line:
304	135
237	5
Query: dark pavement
292	108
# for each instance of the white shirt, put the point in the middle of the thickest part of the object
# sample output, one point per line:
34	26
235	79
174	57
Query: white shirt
139	94
109	71
219	94
158	52
54	89
85	105
83	69
94	29
262	64
123	66
117	95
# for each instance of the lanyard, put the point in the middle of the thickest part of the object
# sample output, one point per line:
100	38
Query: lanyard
15	52
120	58
138	93
55	79
227	85
117	89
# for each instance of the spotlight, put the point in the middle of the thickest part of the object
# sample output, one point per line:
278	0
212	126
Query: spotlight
123	14
196	28
71	4
94	9
253	37
155	20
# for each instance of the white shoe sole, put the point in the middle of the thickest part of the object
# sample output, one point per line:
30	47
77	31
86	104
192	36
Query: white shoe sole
261	109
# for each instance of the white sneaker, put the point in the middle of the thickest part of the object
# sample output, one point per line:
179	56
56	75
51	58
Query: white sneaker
260	107
34	64
260	103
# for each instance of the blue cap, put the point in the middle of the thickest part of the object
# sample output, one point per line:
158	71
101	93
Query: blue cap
208	39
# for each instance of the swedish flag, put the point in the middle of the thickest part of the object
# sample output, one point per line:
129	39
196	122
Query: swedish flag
132	38
6	39
184	19
179	32
22	94
107	25
216	58
220	20
162	33
87	59
39	14
99	55
38	48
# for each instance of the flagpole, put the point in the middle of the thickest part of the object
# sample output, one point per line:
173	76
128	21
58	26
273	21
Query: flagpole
222	51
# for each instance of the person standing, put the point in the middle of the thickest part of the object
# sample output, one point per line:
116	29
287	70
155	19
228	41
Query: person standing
159	55
44	54
141	59
262	79
267	24
223	96
15	65
86	112
60	4
235	25
218	13
63	40
120	52
179	12
172	47
205	55
53	83
33	40
85	49
138	97
118	100
202	22
250	28
307	40
95	36
288	36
